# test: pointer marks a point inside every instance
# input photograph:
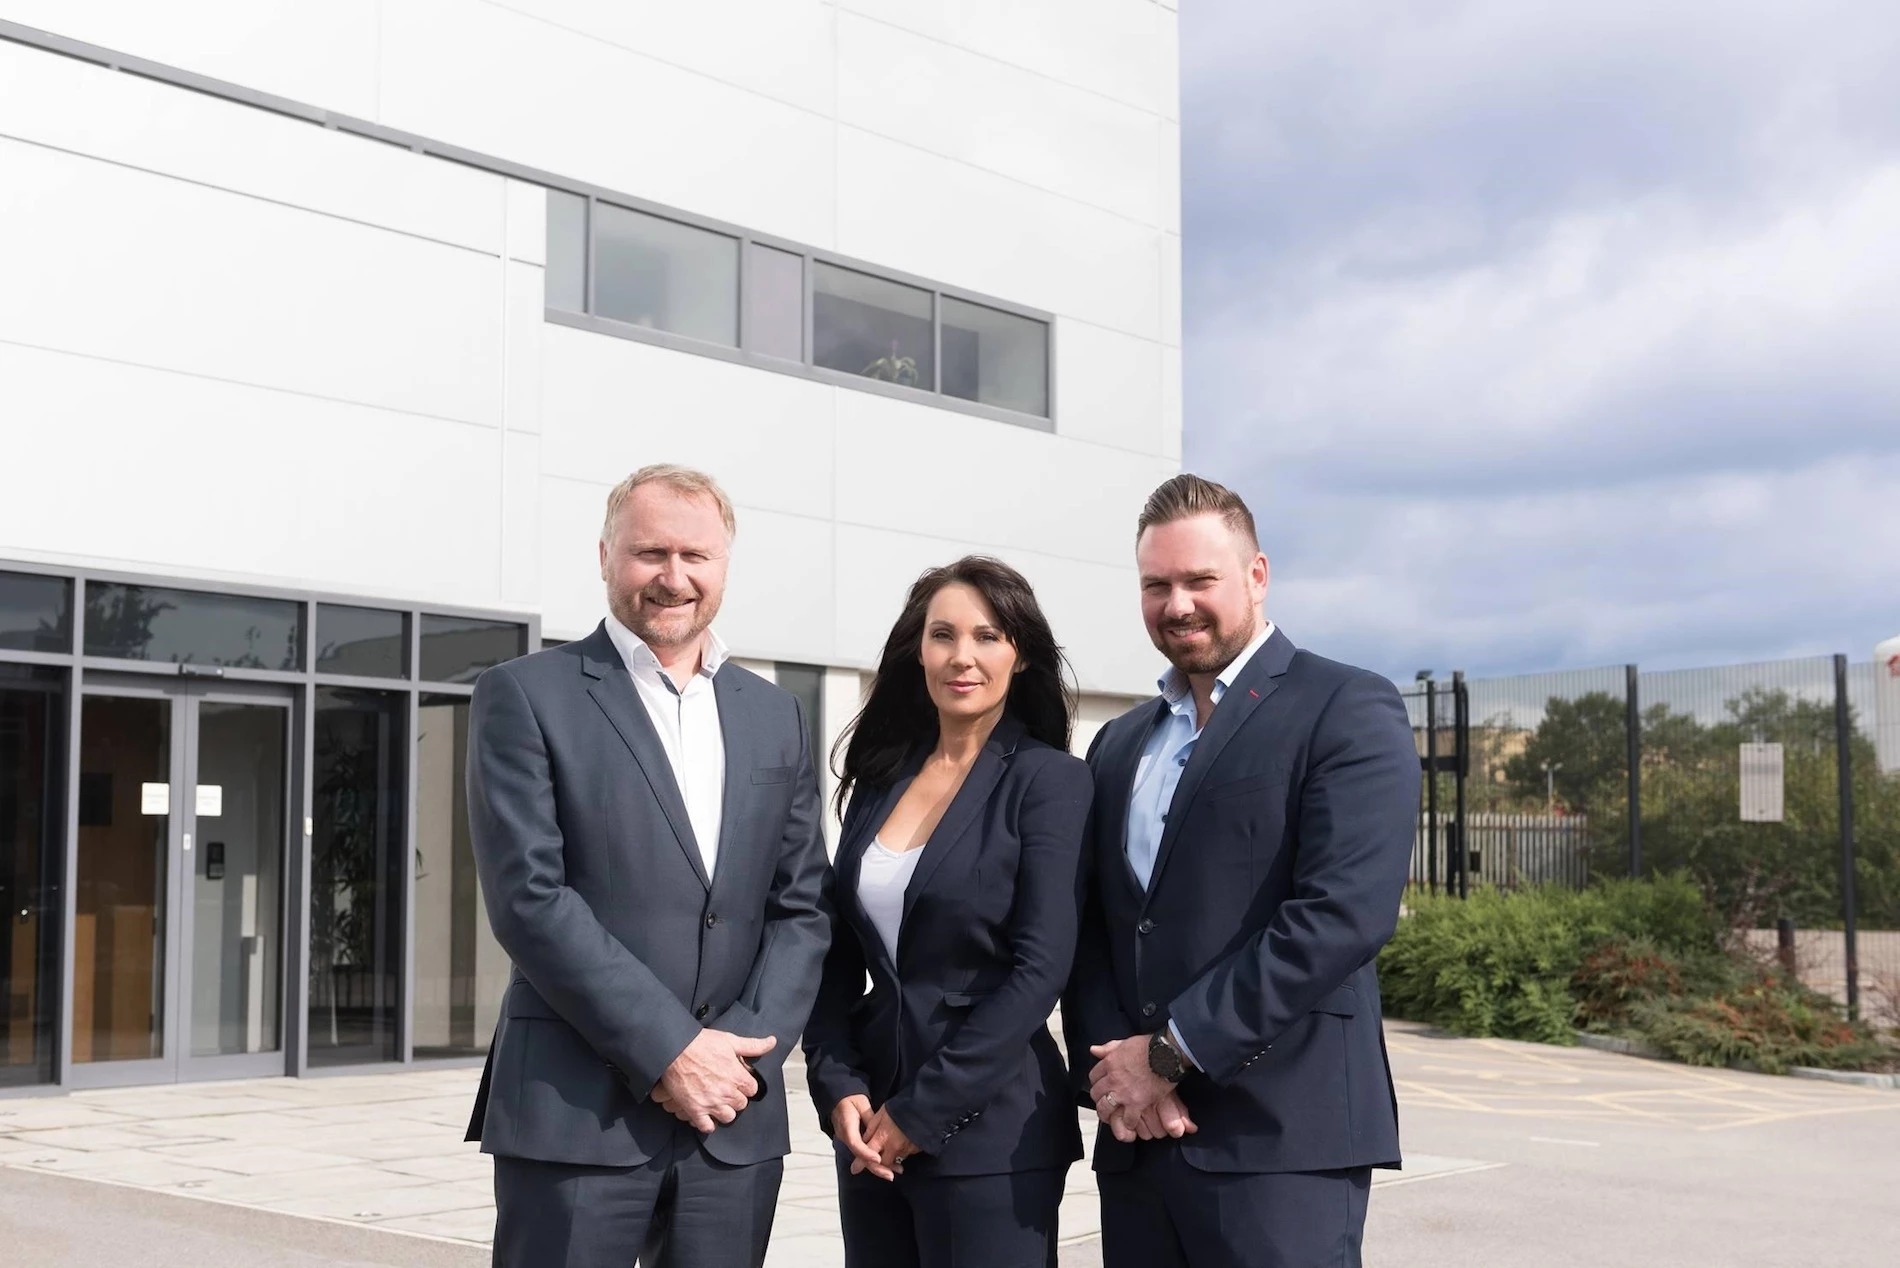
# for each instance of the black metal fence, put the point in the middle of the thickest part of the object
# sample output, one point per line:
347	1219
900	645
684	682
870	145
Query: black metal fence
1760	780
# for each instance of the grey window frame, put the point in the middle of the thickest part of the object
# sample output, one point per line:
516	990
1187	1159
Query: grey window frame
45	41
304	681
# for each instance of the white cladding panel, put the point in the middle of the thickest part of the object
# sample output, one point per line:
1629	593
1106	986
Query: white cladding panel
245	347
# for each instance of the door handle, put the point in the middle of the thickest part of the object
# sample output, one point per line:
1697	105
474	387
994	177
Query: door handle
188	843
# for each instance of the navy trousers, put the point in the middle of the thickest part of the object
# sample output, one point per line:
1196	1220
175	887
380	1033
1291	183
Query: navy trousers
999	1221
1163	1213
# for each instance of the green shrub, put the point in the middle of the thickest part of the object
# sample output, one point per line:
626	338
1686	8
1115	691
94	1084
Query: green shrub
1641	958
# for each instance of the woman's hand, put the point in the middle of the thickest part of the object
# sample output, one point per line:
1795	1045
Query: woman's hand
888	1141
849	1120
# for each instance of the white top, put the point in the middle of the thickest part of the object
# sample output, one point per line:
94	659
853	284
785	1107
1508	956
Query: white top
882	879
688	723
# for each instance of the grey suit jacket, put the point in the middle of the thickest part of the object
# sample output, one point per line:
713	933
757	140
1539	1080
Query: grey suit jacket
623	950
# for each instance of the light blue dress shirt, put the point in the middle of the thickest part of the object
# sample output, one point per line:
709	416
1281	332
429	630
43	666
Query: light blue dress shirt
1163	758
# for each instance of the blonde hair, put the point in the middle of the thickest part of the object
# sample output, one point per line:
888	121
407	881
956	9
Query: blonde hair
682	480
1186	496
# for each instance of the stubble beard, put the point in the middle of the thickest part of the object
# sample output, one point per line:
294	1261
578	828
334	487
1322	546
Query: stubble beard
668	631
1220	652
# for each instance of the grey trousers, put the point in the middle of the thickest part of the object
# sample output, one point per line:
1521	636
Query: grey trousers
683	1209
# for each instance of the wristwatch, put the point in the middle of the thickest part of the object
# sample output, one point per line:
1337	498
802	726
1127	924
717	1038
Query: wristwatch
1165	1059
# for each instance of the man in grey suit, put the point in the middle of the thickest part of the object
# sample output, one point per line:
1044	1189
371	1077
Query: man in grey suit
645	818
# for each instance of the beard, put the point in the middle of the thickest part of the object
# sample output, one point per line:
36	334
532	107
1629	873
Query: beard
666	626
1222	646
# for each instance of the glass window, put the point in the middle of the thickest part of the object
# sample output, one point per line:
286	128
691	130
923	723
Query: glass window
120	906
995	358
868	326
461	971
184	626
665	275
364	642
566	280
807	683
32	807
458	648
356	854
36	613
775	302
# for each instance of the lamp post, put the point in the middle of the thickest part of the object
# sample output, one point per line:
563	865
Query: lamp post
1550	785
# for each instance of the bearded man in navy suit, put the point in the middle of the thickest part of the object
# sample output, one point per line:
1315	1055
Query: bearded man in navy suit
1248	849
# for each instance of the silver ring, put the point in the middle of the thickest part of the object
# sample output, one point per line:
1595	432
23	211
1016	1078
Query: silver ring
1110	1101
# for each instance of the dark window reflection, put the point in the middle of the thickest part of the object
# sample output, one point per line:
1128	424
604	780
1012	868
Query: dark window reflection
461	971
356	897
807	683
458	648
871	327
190	627
36	613
32	707
364	642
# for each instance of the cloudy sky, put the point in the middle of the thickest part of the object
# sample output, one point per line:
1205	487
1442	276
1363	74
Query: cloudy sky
1542	335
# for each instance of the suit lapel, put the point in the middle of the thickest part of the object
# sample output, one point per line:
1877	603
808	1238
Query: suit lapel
849	863
965	809
736	736
613	691
1258	680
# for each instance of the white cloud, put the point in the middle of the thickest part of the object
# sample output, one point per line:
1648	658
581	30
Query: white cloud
1544	337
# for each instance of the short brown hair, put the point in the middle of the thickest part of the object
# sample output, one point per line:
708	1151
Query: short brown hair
1188	495
682	480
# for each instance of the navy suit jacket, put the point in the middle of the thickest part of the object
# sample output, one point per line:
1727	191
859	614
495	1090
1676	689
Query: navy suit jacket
953	1036
1279	877
623	947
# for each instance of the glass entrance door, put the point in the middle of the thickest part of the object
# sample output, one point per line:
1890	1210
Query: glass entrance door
184	802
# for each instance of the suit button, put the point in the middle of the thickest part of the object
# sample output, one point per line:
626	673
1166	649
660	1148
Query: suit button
701	1011
1148	1009
711	920
1146	926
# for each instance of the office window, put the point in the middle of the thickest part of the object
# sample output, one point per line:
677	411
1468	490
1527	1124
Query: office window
868	326
807	684
361	642
567	252
190	627
665	275
775	302
461	971
356	881
458	648
995	358
32	818
36	613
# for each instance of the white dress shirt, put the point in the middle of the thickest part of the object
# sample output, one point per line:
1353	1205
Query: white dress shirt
688	723
883	876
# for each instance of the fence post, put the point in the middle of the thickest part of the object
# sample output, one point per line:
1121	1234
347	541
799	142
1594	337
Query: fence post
1633	726
1431	783
1461	741
1844	760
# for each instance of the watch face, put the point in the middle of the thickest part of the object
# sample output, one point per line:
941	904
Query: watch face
1164	1060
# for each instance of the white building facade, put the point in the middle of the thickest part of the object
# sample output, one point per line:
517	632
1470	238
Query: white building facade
325	327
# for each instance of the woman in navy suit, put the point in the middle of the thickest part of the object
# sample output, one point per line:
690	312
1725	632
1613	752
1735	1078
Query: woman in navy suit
955	890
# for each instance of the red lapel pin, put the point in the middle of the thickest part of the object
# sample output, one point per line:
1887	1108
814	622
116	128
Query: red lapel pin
1253	693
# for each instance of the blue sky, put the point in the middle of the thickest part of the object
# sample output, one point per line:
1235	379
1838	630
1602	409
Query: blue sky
1549	335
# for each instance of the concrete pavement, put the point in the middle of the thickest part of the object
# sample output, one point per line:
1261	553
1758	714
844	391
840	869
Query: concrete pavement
1533	1155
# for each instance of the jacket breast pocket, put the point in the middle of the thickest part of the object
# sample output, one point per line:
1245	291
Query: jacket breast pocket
1262	784
773	774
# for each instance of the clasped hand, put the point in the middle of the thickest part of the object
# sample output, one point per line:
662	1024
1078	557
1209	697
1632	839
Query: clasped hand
708	1084
1134	1101
877	1144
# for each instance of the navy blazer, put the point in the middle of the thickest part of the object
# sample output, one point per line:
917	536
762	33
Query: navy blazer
1279	876
953	1037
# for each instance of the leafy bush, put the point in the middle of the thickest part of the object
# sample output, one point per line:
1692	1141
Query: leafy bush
1641	958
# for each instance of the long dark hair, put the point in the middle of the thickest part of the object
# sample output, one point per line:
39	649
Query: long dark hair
898	717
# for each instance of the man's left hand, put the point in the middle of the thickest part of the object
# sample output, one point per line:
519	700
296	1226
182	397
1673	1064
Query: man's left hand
1122	1085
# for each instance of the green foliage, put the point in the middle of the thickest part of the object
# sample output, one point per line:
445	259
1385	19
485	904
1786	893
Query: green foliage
1639	958
1587	739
